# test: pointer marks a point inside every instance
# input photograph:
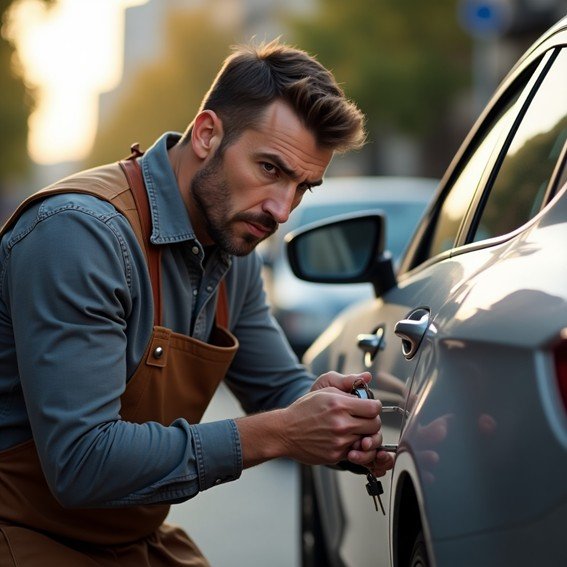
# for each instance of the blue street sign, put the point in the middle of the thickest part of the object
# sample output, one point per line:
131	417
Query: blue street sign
484	18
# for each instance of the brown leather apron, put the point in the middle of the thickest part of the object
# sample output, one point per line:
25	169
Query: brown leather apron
177	377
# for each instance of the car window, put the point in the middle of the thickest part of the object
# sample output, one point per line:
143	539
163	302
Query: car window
518	191
456	204
443	232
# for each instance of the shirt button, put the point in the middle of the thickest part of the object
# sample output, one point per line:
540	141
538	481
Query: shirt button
218	481
195	250
195	293
209	288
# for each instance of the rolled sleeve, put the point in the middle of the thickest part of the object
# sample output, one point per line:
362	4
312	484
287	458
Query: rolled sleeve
217	452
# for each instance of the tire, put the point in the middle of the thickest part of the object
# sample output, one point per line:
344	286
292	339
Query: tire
419	556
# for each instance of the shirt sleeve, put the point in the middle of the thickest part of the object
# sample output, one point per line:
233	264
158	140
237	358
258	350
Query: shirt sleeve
265	373
71	291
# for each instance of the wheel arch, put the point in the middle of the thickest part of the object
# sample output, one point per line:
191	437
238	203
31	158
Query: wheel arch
407	519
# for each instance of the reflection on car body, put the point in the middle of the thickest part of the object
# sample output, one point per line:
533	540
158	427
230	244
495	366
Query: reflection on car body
478	363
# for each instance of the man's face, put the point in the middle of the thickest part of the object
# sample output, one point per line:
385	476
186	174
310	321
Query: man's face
243	196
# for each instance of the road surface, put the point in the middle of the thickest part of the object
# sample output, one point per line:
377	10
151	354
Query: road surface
252	522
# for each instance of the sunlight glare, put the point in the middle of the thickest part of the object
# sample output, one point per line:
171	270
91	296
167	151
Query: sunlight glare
71	52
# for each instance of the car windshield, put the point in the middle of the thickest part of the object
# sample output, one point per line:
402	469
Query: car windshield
402	218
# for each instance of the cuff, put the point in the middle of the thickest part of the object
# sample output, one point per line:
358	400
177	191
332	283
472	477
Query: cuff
218	452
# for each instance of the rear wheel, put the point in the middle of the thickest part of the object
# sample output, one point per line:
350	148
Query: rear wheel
419	552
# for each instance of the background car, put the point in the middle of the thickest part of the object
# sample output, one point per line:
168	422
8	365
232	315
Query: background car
467	345
304	309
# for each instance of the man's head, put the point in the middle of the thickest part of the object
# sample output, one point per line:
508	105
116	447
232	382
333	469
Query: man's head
252	78
265	134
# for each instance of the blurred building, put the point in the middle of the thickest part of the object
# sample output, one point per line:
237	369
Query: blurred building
145	29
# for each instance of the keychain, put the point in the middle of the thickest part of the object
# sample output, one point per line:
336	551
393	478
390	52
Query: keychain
374	487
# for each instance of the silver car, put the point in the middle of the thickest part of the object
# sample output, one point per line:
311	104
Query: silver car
467	345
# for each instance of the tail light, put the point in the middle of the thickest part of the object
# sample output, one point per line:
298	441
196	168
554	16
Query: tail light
560	356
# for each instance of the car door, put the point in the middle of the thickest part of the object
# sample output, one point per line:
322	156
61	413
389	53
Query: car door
466	233
476	397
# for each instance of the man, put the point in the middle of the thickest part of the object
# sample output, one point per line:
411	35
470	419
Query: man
129	291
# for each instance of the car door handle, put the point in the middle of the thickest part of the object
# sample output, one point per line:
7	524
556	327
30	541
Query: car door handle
370	345
412	331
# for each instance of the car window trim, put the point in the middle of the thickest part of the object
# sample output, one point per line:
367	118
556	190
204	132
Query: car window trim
490	173
555	39
496	240
463	154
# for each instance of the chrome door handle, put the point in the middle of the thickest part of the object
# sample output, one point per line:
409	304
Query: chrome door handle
370	345
412	331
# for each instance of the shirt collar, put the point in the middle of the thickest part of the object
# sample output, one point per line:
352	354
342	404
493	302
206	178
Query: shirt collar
170	220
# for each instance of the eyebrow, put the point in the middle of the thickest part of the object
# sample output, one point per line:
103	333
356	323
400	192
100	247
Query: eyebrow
278	162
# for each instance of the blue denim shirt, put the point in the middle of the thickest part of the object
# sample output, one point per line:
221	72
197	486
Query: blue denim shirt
75	318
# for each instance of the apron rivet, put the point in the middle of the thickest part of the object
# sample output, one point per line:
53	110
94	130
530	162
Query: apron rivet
158	352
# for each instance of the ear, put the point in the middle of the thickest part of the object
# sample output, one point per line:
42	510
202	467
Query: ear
206	134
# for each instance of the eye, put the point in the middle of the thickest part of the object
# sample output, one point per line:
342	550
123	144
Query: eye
304	187
269	168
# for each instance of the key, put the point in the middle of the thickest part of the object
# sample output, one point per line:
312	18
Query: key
374	489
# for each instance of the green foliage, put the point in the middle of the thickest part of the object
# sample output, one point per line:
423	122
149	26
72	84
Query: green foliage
166	94
14	112
401	61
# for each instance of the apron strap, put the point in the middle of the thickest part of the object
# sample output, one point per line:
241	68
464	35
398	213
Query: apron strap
133	173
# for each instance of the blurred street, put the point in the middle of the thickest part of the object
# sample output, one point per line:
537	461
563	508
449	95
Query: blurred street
251	522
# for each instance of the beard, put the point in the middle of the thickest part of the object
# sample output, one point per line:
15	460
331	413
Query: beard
211	193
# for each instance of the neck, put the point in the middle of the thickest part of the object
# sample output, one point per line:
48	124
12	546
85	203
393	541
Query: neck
184	164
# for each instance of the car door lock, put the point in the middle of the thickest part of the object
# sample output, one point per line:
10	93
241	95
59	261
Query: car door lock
370	344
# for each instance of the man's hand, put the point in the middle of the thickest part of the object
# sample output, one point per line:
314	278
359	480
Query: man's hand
342	382
363	451
325	426
322	426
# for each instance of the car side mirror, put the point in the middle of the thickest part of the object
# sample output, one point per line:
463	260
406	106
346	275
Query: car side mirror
346	249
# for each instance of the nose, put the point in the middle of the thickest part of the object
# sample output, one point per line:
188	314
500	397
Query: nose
280	205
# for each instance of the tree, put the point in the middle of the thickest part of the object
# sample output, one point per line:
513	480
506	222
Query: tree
402	62
167	93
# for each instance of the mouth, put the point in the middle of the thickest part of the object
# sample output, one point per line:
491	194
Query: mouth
259	230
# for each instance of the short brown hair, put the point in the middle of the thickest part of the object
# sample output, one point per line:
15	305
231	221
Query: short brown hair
253	77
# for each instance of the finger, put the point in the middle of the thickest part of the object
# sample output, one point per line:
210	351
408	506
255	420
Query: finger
384	459
371	442
358	407
347	381
381	464
365	458
329	379
367	451
379	471
357	446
